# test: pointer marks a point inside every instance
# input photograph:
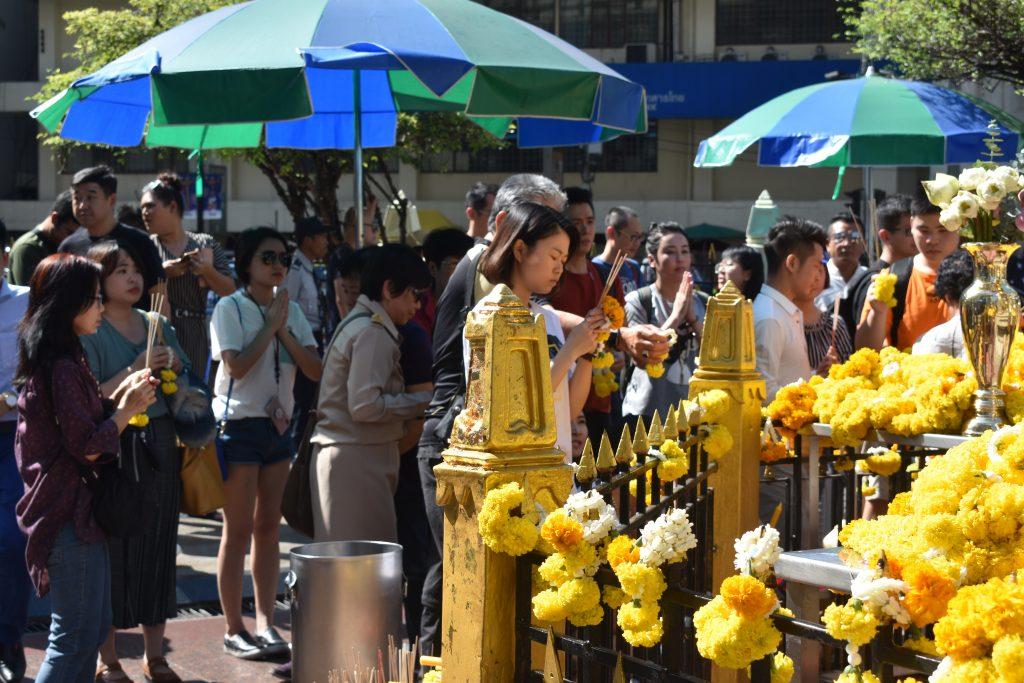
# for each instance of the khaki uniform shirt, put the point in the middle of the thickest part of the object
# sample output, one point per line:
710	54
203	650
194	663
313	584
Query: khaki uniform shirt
362	392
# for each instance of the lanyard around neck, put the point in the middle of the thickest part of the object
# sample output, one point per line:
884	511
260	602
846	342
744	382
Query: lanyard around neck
277	346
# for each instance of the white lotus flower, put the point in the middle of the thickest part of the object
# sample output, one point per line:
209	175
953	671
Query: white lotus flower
941	673
831	539
966	203
991	193
1009	177
951	219
971	177
757	551
941	190
593	512
667	539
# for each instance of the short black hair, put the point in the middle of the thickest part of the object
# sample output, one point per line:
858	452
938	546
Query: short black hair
353	262
530	222
476	198
845	217
955	274
659	230
922	207
892	210
395	264
441	244
618	218
579	195
62	206
248	244
101	175
749	259
792	235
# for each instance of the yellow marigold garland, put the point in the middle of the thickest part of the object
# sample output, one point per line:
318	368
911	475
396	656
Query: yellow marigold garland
501	532
884	288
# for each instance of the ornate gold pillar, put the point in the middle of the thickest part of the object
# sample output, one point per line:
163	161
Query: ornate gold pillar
728	362
505	433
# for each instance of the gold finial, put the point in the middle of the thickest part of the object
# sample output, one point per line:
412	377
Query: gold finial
671	428
686	412
586	470
654	433
640	443
618	676
624	453
605	455
552	665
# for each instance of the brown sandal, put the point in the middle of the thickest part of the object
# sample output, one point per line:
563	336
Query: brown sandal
157	670
112	673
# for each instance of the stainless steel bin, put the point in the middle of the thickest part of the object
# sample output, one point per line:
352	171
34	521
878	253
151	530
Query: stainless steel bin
346	599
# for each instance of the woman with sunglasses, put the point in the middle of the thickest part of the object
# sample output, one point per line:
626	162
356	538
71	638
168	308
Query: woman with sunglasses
261	340
193	262
364	405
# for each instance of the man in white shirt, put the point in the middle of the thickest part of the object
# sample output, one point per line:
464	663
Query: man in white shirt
15	587
794	252
845	247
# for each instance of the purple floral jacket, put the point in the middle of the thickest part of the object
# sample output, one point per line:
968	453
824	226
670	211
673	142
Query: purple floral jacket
60	422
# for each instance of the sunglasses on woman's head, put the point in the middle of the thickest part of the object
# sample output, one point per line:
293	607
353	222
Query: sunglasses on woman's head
269	258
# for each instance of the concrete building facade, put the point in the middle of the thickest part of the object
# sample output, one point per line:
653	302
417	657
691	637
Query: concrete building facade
708	61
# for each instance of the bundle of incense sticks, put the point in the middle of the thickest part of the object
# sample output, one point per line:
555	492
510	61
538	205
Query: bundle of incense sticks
616	267
835	320
401	661
156	302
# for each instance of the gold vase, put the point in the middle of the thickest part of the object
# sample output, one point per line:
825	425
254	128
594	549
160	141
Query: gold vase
990	314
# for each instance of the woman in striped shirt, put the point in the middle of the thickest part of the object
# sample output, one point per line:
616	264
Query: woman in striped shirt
818	330
194	264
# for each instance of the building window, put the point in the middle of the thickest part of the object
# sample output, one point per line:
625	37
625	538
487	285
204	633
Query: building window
137	161
19	33
771	22
540	13
625	154
608	23
19	157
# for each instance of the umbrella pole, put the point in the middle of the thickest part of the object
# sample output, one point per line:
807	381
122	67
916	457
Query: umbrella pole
868	220
358	161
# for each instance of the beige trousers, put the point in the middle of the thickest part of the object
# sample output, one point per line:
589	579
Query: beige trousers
353	488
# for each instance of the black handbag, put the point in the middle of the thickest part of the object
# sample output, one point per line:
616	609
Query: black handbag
122	501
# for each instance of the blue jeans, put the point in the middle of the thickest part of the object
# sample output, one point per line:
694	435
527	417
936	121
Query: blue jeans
80	600
15	585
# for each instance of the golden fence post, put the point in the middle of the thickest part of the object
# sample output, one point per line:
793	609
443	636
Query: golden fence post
505	433
728	362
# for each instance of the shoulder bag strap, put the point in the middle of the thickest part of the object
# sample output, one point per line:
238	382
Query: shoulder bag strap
902	269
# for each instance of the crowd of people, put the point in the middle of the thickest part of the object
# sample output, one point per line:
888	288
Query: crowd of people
369	340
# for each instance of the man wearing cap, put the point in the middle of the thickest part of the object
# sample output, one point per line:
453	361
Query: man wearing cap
307	286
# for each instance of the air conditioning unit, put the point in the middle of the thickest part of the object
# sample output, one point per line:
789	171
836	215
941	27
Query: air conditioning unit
639	53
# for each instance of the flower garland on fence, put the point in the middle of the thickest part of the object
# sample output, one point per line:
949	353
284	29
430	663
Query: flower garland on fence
735	629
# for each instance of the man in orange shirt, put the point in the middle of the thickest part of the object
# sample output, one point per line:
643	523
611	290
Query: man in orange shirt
917	310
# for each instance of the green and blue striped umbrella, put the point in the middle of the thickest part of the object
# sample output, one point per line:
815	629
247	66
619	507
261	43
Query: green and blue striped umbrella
867	121
300	73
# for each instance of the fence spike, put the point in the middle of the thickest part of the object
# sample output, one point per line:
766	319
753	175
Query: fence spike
654	434
552	667
640	443
671	428
618	676
586	470
624	453
605	456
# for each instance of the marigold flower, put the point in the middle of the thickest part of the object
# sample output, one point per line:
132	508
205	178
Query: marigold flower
929	593
562	531
500	531
850	622
715	404
621	549
748	597
637	615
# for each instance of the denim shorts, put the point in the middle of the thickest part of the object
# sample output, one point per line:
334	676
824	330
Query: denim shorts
254	441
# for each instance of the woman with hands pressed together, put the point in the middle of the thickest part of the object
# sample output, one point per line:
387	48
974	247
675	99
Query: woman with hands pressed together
529	256
142	568
671	303
262	340
66	427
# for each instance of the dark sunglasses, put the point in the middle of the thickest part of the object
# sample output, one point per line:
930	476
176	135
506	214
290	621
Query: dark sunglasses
269	258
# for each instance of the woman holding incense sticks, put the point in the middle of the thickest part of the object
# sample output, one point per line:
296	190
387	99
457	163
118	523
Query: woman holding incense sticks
671	303
142	568
529	255
261	340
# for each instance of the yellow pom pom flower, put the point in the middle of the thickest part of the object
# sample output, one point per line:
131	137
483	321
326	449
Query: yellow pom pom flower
638	615
548	607
731	641
168	388
884	462
140	420
748	597
851	622
647	638
432	676
641	582
501	532
928	593
655	370
622	549
562	531
782	668
856	675
614	312
715	404
717	442
613	596
884	288
1008	658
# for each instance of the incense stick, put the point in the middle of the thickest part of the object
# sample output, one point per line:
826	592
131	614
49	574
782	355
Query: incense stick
616	267
835	320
